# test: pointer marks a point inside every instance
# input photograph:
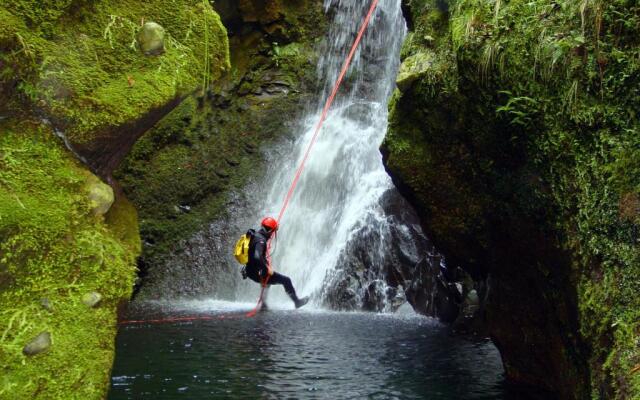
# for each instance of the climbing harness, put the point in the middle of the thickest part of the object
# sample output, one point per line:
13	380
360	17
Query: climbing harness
323	117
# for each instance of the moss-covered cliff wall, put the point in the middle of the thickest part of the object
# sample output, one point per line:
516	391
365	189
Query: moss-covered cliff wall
75	74
181	173
81	65
57	248
514	131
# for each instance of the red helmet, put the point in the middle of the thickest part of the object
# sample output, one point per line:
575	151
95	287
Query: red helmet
270	223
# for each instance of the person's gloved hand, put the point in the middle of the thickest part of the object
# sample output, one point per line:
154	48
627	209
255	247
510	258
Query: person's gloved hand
243	271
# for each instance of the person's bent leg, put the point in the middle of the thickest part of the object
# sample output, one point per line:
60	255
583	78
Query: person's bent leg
279	279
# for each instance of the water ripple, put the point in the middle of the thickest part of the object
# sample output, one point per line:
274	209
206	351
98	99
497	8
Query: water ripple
301	355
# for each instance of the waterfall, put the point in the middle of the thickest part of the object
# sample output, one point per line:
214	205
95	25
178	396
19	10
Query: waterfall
346	228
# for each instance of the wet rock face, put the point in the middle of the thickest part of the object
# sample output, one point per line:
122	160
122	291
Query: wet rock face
407	268
282	21
376	280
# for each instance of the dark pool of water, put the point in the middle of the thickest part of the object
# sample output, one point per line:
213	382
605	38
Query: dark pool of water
303	355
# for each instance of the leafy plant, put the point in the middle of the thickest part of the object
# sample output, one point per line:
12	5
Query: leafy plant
520	110
281	54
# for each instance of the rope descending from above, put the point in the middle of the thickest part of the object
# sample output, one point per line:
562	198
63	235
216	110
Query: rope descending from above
323	117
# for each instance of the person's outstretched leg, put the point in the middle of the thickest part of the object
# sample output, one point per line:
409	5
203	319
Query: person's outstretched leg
279	279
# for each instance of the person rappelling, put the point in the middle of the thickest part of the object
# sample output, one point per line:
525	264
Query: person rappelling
252	249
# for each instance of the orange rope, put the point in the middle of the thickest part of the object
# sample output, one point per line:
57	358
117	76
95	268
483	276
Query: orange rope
323	117
180	319
327	106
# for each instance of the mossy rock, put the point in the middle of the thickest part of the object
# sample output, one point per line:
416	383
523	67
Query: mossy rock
99	193
78	63
521	155
54	247
122	220
151	39
412	68
74	66
39	344
91	299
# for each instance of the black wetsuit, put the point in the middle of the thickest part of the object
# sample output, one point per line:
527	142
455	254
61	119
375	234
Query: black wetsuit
257	267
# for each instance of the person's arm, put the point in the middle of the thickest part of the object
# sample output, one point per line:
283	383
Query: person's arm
260	254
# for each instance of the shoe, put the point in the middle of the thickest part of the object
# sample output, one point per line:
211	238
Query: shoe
301	302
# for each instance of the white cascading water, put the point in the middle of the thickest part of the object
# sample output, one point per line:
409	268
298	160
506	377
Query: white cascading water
341	186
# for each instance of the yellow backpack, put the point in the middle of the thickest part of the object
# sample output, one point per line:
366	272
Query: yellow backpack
241	251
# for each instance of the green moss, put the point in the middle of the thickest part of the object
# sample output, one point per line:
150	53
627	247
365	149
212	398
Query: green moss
122	220
534	123
54	247
180	174
292	56
79	62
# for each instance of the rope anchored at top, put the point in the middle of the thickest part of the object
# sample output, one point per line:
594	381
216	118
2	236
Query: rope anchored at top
323	117
327	106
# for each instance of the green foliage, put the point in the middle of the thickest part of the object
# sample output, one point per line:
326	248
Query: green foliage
288	53
520	110
54	247
546	109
